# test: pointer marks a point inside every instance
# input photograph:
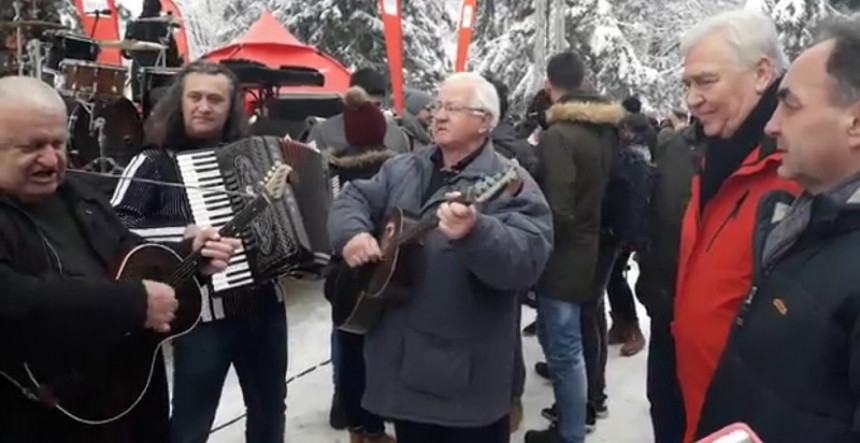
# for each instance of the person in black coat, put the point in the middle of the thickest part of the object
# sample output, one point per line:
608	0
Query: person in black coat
59	309
504	136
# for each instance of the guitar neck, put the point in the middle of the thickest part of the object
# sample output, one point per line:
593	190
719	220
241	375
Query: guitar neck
189	266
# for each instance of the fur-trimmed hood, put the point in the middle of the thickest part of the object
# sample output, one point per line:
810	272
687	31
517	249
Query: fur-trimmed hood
350	160
586	109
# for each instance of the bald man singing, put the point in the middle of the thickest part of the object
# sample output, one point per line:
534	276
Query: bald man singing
58	241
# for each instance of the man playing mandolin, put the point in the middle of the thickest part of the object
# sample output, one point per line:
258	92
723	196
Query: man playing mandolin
440	363
59	305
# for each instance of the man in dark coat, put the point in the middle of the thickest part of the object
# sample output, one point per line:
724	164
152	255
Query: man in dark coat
58	310
505	137
791	367
676	159
575	156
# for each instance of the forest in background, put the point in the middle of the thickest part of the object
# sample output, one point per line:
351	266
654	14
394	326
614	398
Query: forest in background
631	46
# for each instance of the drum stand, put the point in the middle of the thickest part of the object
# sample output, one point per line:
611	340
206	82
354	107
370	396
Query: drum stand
161	61
102	163
19	35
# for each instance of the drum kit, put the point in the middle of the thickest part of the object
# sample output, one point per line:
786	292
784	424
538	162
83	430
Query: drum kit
105	127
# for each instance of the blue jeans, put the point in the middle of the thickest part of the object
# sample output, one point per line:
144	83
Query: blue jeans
560	335
257	347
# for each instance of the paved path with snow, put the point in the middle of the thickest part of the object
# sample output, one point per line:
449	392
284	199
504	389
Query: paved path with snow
309	395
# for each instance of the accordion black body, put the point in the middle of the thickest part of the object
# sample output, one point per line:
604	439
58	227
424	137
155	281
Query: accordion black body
278	242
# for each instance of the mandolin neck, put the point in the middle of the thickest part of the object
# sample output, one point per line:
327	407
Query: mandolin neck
188	268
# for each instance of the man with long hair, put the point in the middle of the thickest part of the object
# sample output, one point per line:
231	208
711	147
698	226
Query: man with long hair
246	328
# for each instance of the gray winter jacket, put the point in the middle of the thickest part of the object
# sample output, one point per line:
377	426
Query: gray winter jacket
446	357
329	135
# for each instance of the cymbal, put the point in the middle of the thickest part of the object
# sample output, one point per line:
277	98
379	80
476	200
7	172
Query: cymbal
36	25
160	19
130	45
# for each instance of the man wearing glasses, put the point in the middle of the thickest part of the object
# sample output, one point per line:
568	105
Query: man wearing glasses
440	363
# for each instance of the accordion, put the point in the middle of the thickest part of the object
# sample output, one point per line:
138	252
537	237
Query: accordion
283	240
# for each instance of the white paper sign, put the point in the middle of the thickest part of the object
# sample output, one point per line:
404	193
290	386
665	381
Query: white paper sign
389	7
90	6
466	20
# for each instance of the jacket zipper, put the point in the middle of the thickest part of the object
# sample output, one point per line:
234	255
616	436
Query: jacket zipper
739	319
735	211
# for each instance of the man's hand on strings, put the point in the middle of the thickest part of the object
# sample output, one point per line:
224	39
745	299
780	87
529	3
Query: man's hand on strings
456	220
361	249
217	249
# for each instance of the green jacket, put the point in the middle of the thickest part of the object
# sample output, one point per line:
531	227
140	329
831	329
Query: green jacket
576	154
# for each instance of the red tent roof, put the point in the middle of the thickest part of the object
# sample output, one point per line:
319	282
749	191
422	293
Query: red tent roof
270	43
269	30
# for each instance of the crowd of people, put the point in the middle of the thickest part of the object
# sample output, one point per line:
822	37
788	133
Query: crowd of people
741	213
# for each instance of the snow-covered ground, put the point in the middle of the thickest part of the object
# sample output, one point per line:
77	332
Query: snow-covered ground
310	395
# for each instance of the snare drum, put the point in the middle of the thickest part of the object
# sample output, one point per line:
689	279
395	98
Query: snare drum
88	79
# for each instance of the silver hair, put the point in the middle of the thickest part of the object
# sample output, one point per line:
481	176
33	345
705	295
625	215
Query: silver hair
751	34
484	95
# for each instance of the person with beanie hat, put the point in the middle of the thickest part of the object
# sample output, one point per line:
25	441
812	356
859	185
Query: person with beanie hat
364	128
417	101
329	134
363	122
417	118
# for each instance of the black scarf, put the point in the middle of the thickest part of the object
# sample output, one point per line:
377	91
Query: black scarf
725	155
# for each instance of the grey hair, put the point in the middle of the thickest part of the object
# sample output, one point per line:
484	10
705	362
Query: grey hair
484	95
751	34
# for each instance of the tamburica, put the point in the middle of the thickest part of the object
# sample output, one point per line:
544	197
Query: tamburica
121	128
67	46
93	80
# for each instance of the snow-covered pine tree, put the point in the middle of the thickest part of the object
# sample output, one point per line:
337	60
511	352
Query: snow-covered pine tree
352	32
796	21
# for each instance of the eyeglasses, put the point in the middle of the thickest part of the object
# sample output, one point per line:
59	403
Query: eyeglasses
452	108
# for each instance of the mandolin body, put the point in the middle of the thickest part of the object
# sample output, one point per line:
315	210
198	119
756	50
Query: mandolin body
361	293
105	388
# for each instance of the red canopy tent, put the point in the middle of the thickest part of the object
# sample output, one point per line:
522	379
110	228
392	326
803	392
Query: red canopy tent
270	43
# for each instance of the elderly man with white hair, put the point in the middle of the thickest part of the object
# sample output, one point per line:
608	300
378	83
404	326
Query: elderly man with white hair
440	360
732	65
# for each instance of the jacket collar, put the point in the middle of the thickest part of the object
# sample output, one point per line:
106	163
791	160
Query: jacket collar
484	163
585	108
814	217
349	160
485	160
69	190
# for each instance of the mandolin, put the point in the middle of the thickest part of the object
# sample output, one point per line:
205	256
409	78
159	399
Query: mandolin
360	294
106	388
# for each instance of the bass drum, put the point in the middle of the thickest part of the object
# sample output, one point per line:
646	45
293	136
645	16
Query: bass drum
121	131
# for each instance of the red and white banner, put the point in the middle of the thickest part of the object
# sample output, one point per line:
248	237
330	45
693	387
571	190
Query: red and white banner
168	6
464	33
392	24
101	26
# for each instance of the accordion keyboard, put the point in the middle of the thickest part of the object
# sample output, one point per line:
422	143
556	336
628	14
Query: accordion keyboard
200	170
